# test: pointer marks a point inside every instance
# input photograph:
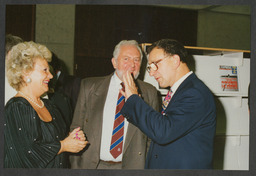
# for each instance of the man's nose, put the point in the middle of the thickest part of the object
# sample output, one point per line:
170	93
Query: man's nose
132	63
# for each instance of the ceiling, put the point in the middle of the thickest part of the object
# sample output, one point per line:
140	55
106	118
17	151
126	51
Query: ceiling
235	9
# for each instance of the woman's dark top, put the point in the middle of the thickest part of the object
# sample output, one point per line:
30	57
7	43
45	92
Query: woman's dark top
30	142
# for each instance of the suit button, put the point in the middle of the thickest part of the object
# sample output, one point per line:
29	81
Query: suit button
140	153
86	120
156	156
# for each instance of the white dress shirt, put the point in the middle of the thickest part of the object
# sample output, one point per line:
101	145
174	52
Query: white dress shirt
108	120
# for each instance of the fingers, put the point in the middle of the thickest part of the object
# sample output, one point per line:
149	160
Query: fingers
79	135
125	79
75	142
80	145
74	145
129	79
75	130
122	92
128	74
130	86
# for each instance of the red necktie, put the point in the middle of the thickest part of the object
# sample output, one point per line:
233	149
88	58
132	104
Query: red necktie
166	100
116	146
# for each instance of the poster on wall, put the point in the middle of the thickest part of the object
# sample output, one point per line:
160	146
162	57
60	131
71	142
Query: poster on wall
228	77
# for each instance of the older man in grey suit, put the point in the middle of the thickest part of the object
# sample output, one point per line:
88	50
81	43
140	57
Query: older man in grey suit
96	110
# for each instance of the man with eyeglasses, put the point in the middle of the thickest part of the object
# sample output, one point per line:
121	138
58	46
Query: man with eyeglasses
183	132
98	111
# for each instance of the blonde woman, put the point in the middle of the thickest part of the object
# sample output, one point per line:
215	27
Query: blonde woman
35	134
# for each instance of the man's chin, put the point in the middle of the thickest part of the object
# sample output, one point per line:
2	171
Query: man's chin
119	74
160	84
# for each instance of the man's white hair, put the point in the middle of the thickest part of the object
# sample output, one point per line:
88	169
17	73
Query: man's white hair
126	42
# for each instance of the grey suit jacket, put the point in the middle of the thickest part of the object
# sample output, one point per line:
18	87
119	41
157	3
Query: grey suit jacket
89	114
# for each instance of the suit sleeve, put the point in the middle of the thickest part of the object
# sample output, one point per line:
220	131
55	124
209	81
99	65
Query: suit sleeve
153	101
182	116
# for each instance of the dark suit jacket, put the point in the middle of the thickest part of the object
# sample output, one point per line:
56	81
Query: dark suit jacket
68	85
89	114
62	102
183	137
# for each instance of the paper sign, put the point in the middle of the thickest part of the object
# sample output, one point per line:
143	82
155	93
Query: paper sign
228	77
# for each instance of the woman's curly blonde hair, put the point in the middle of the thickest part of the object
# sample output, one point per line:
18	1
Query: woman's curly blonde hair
21	60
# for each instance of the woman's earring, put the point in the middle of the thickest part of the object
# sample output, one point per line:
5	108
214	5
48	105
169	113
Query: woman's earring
28	80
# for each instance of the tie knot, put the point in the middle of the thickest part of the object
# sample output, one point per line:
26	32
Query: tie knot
169	95
166	100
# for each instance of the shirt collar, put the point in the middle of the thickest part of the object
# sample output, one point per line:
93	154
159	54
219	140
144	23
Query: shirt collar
117	80
176	85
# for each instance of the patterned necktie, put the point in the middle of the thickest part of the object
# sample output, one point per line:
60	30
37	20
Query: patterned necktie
166	100
116	146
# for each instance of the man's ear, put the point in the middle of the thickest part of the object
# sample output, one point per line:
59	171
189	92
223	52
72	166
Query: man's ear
176	60
114	63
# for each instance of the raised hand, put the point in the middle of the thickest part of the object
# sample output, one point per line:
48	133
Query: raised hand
130	86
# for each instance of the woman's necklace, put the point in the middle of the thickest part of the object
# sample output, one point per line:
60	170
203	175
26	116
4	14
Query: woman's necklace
30	99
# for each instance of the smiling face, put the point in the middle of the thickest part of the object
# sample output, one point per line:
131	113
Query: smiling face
129	59
40	76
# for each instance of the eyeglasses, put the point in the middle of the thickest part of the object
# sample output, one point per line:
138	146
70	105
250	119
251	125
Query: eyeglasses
153	66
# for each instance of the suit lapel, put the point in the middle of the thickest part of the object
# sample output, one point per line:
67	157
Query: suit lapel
182	85
98	98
